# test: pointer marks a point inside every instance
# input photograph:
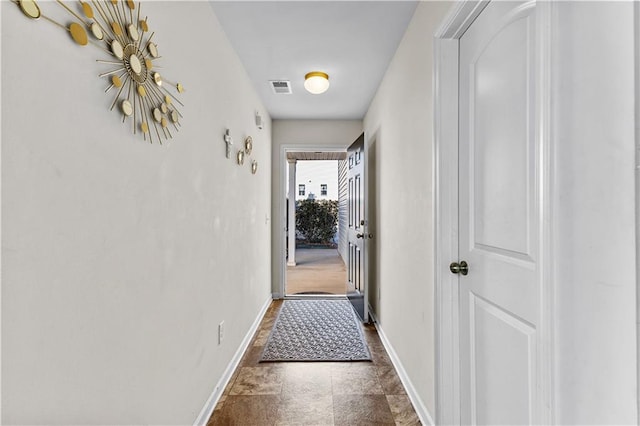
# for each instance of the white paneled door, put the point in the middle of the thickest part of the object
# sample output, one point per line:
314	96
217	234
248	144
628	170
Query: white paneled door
357	235
498	217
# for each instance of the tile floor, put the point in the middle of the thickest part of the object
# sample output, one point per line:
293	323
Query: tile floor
313	393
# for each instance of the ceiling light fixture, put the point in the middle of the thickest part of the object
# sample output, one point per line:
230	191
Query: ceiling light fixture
316	82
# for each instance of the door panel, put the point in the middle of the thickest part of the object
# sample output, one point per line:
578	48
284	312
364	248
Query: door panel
501	376
498	216
499	117
356	278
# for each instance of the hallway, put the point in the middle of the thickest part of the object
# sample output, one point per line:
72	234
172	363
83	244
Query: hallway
318	393
136	274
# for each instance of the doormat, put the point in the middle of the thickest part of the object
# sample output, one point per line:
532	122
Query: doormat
316	330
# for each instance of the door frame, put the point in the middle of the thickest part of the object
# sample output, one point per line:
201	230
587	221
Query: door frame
445	201
281	210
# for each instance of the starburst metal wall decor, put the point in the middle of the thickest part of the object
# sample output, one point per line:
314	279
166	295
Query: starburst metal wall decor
117	29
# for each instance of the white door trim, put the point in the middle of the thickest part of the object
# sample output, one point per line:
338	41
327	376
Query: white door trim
445	177
281	211
637	96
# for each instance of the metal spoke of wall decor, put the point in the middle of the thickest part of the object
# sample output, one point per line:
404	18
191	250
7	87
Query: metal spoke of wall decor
117	29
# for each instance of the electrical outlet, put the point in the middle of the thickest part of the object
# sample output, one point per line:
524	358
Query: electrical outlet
220	332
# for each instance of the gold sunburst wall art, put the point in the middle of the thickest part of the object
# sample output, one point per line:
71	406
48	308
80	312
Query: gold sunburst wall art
117	29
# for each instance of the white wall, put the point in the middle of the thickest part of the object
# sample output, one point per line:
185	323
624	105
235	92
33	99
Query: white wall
593	90
398	132
119	257
330	134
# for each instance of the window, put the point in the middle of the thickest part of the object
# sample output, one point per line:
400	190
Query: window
301	189
323	189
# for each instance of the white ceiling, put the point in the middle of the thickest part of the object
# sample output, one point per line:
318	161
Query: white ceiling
352	41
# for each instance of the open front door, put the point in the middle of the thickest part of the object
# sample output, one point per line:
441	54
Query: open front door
357	231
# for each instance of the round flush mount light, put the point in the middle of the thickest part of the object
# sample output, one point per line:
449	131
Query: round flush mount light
316	82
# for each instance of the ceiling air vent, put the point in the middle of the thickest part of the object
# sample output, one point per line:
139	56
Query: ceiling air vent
281	87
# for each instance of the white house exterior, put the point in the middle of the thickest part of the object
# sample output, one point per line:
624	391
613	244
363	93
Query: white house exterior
317	179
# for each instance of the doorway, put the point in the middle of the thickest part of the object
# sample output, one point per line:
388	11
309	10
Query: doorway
314	262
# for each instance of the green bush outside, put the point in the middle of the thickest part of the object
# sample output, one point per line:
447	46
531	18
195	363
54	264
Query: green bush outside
317	220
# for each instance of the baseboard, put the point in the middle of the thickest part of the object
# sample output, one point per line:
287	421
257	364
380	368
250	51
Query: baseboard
423	414
210	405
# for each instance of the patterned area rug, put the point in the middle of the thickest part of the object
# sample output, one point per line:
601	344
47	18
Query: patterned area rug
316	330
